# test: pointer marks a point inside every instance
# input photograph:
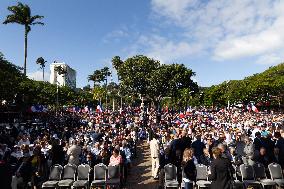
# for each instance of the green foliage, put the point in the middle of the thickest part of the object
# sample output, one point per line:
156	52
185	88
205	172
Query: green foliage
21	14
135	74
98	92
60	70
26	92
10	77
99	76
40	61
140	75
262	87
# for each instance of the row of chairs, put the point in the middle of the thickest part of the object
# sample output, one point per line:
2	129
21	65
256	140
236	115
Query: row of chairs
251	175
78	177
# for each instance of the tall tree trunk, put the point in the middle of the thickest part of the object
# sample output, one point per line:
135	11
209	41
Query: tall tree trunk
26	50
43	73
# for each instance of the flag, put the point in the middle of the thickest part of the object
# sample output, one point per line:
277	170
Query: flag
249	108
188	111
99	109
86	109
254	109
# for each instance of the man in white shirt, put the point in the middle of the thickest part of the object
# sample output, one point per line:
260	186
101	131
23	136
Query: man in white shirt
24	140
74	152
155	152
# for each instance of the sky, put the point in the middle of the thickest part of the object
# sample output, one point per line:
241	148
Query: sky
218	39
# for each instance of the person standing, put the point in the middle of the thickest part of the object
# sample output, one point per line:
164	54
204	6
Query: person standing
198	147
23	173
73	153
155	152
249	151
57	153
221	170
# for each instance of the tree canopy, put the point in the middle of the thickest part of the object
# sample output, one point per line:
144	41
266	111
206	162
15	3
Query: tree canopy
267	86
140	75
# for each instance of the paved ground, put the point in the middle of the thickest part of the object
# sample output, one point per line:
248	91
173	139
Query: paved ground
140	176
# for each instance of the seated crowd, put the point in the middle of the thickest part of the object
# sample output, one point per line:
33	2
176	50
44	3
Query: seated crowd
27	153
185	140
242	137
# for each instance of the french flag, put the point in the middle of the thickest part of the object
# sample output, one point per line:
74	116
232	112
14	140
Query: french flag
99	109
249	108
254	109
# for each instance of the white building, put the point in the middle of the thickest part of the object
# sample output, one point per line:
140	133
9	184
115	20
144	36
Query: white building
68	79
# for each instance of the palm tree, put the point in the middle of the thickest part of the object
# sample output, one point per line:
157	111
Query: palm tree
40	61
60	70
21	14
96	77
105	73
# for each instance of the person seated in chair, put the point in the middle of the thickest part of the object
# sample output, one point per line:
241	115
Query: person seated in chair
262	157
188	167
205	158
277	158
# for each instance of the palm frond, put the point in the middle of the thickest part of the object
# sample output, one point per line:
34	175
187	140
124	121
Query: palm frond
37	23
21	14
36	17
11	19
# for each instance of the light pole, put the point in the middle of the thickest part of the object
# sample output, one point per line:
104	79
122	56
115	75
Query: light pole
189	94
121	102
57	91
120	95
106	102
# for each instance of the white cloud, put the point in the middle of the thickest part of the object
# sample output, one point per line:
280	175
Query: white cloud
37	75
270	59
249	45
172	8
225	29
162	49
116	35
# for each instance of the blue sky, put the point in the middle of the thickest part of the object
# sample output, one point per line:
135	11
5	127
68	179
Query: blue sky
220	40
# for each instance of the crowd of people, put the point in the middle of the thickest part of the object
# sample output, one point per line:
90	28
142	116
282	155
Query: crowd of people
210	138
185	139
29	149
